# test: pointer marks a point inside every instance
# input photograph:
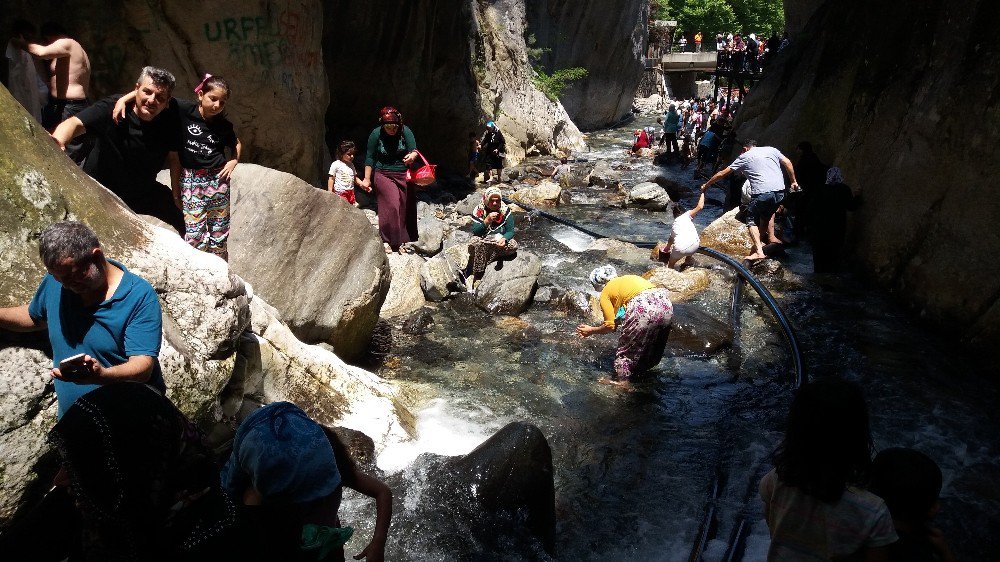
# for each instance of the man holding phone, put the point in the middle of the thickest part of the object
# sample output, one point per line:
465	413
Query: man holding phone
104	322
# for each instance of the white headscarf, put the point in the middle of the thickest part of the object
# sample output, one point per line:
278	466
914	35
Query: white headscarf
833	176
600	276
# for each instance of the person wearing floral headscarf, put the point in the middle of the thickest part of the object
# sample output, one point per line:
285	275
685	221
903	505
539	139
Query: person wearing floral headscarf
644	313
828	207
493	225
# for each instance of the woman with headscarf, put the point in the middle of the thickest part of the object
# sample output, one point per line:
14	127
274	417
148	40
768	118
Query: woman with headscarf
644	313
289	472
641	141
493	225
391	149
144	483
828	206
492	151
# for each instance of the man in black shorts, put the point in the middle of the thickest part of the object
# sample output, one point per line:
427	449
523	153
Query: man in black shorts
128	154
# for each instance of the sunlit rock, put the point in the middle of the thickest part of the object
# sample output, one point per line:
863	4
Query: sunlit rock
728	235
405	294
508	285
545	193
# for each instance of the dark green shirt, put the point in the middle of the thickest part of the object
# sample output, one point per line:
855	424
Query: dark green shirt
479	228
385	151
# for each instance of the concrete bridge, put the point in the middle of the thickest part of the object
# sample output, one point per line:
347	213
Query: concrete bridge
688	62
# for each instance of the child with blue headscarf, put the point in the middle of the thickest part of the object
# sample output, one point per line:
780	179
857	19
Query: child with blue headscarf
289	473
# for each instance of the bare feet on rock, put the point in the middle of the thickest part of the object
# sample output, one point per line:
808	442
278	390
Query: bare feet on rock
754	257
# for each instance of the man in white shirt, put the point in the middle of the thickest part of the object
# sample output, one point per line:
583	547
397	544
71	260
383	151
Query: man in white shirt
762	165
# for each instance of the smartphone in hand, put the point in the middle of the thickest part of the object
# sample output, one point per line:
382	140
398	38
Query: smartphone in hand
73	367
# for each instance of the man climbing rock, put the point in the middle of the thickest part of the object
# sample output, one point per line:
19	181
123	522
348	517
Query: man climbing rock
762	166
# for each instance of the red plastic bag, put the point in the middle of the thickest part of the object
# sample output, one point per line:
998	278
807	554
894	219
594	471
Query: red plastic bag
424	175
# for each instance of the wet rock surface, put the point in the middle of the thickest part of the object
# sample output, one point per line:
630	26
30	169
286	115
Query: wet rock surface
508	285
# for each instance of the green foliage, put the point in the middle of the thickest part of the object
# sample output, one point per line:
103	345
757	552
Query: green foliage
762	17
660	10
711	16
534	53
707	16
553	85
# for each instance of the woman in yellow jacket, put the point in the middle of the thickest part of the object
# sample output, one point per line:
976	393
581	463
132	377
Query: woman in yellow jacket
645	314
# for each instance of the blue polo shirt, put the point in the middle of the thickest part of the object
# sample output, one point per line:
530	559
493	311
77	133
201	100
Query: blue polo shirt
127	324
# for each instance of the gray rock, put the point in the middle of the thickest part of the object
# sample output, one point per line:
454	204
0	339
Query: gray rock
648	195
695	331
467	205
311	255
603	176
431	232
508	285
419	322
439	277
405	294
545	193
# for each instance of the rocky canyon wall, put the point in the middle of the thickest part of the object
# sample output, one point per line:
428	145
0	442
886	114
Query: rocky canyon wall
268	49
606	37
307	73
909	108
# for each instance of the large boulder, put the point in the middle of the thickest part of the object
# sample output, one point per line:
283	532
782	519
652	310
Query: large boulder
647	195
508	285
603	176
431	232
500	498
682	284
728	235
694	331
310	255
205	308
329	390
439	276
545	194
405	294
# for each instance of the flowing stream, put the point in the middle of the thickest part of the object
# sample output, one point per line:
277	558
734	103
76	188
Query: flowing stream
633	470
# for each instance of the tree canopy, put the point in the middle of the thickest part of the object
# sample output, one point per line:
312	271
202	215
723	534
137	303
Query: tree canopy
712	16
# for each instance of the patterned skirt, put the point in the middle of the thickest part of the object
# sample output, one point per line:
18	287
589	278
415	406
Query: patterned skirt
644	333
482	252
205	201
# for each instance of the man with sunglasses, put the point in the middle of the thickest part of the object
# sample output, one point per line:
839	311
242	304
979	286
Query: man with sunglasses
94	306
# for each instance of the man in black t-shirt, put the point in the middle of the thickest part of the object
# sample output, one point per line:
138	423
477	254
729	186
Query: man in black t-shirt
128	154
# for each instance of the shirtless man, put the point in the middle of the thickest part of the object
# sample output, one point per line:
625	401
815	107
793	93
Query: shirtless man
68	81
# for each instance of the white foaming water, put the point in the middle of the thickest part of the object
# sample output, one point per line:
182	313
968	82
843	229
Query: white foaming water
572	238
442	429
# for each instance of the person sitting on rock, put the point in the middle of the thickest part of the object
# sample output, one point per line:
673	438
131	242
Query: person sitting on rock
493	225
563	169
102	318
645	313
289	473
641	141
684	240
